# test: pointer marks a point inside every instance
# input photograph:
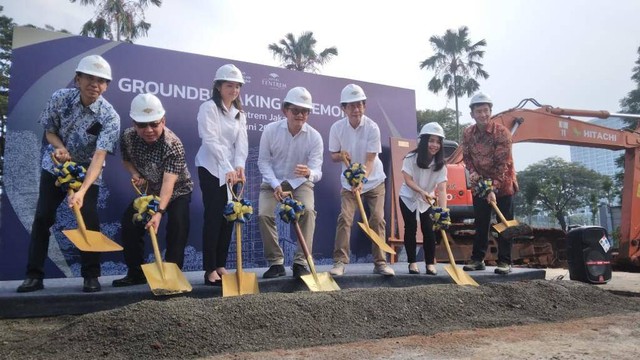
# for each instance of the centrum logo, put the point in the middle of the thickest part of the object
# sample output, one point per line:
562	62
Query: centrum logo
246	77
273	82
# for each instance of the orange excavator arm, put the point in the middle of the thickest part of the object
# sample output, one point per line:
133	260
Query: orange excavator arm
552	125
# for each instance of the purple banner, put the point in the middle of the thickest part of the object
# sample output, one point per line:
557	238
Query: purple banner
44	62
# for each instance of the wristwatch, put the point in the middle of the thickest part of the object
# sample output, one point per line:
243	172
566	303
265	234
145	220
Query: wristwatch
162	211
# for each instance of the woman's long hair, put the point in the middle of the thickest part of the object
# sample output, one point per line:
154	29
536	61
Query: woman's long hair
424	158
217	98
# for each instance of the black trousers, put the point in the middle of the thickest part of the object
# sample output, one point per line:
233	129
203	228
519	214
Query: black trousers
216	231
410	229
176	238
49	199
482	211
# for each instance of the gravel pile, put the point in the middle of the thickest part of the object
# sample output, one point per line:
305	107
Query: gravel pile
195	328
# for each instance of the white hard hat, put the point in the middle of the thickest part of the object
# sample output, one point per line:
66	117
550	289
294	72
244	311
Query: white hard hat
95	65
432	128
480	98
229	72
299	96
146	108
352	93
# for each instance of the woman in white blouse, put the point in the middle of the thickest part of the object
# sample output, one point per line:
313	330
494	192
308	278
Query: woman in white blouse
220	160
425	178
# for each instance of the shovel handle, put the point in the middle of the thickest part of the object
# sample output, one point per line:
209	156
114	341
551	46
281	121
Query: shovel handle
235	196
156	249
498	212
238	247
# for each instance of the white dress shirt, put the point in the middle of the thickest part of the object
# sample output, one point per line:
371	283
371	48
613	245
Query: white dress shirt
280	152
224	140
426	179
358	142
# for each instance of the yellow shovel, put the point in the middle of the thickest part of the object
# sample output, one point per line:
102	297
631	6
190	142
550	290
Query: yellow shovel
164	278
509	228
84	239
240	283
365	226
458	275
88	240
314	281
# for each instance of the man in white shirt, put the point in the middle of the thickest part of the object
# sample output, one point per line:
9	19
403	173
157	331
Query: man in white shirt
290	159
357	138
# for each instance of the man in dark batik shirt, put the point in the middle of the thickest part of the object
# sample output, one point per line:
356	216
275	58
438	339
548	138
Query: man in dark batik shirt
487	155
155	157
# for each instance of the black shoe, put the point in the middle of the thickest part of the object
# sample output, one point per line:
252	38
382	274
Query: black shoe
474	265
299	271
212	283
29	285
274	271
129	280
91	284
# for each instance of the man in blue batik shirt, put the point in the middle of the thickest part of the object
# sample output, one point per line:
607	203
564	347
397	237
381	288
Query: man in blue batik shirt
80	126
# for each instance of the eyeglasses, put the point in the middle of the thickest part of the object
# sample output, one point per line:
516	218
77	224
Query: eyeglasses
91	79
298	111
353	106
153	125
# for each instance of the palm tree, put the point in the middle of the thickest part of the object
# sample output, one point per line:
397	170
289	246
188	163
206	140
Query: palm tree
299	54
456	65
125	17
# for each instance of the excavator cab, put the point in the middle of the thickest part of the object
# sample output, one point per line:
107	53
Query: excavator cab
459	197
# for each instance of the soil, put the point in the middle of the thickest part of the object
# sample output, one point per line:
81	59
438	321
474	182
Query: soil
532	319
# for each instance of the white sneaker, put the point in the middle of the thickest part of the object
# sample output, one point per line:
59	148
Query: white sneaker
383	269
338	269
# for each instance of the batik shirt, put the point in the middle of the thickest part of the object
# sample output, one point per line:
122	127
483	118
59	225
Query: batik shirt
488	153
153	160
82	129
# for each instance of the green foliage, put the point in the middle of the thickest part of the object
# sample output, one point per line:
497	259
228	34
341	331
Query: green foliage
6	38
299	54
456	64
559	187
630	104
120	20
445	117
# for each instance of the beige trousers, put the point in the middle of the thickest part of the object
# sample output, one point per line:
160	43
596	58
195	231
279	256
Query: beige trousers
374	199
267	222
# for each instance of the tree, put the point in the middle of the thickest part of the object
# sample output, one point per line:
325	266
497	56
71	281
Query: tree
299	54
630	104
444	117
125	18
561	186
456	66
6	38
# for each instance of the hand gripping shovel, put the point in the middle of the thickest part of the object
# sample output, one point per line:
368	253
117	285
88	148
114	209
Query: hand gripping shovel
83	239
314	281
365	224
240	283
509	228
458	275
164	278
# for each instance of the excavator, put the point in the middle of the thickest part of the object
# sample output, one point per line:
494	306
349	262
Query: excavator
549	125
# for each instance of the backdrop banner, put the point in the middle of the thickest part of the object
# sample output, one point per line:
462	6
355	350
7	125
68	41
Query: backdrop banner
44	62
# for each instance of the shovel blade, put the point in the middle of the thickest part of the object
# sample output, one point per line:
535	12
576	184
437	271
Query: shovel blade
376	239
92	241
240	283
325	282
499	227
173	282
459	276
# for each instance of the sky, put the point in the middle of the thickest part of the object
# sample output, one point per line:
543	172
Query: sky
576	54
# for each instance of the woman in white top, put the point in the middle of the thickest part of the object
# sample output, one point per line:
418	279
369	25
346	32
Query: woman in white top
220	160
425	178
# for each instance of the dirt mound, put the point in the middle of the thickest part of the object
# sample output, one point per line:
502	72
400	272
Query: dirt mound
193	328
